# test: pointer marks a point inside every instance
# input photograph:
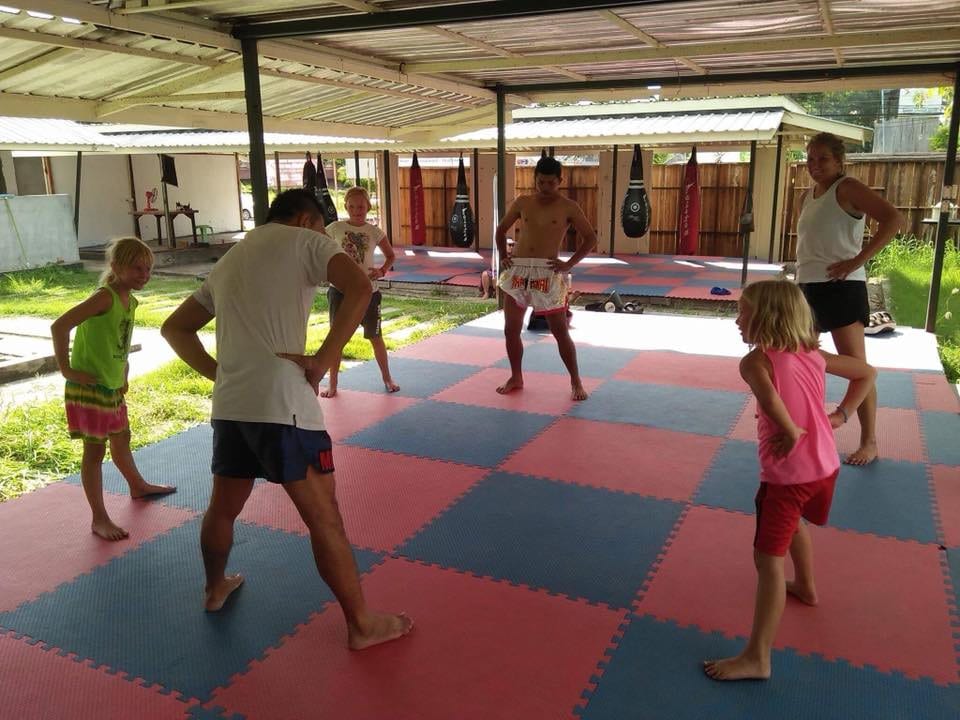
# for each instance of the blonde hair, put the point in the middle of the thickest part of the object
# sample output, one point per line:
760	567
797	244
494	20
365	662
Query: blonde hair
357	190
124	252
832	143
781	318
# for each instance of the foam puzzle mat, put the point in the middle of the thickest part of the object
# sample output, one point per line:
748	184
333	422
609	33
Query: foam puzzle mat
560	559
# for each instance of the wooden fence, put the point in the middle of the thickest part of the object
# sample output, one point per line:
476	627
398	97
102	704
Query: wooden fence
912	185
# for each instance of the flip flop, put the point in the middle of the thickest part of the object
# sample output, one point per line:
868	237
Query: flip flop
717	290
880	322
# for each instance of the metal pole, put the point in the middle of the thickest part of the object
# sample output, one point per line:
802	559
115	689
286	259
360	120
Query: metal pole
746	220
613	199
776	194
133	194
476	199
949	193
356	166
76	197
258	159
501	168
276	169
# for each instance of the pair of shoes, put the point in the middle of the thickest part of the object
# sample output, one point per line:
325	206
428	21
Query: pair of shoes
880	322
717	290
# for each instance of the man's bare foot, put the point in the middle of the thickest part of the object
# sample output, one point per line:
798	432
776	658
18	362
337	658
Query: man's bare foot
806	595
577	391
510	385
737	668
864	455
329	393
108	531
216	596
148	489
381	628
391	386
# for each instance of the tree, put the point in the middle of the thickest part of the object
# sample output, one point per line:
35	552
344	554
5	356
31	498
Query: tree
938	141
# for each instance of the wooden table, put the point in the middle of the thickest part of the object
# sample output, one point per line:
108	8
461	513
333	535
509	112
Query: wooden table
172	214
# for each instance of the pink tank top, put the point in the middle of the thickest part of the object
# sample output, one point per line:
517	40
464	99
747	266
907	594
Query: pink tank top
799	379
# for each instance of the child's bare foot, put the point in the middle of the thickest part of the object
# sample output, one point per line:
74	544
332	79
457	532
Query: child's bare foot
217	596
737	668
510	385
381	628
329	392
108	531
148	489
864	455
390	386
806	595
577	391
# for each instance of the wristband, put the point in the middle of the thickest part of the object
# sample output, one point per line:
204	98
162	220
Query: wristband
842	412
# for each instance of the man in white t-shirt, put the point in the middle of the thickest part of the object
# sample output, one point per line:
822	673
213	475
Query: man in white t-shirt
266	417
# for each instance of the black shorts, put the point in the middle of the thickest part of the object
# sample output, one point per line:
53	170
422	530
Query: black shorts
278	453
371	318
837	303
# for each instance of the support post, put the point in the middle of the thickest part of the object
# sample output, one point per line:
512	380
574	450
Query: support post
476	199
746	219
613	198
385	201
356	167
949	192
76	196
501	169
258	159
776	194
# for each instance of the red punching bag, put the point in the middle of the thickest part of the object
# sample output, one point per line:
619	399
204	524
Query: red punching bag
418	230
688	241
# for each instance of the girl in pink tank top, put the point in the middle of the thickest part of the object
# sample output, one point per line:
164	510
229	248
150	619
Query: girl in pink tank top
798	457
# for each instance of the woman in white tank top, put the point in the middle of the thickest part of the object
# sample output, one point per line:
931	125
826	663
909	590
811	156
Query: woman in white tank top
831	258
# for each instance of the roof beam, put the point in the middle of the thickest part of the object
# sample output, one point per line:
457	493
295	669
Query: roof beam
114	106
649	39
827	19
34	62
437	14
480	45
16	105
80	44
736	47
148	6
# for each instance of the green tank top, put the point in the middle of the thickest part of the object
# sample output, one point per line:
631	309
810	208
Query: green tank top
101	343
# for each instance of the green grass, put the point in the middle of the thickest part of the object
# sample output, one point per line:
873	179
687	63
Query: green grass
907	263
35	448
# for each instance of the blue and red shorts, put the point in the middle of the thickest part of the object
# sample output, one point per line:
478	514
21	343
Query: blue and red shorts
278	453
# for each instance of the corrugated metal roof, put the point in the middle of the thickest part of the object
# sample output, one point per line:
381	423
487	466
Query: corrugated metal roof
763	123
55	134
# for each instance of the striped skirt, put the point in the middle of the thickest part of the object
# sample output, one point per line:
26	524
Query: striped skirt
94	412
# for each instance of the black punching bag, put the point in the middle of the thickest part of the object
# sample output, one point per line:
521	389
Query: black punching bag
323	194
461	219
309	175
635	213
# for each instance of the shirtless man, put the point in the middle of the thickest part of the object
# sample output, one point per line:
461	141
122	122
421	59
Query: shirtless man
534	275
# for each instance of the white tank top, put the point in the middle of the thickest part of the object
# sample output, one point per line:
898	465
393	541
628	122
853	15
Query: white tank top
826	233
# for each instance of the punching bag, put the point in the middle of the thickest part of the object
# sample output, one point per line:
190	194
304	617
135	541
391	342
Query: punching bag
689	220
309	175
635	213
418	230
323	194
461	218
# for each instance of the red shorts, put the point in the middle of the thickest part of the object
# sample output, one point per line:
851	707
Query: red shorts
780	507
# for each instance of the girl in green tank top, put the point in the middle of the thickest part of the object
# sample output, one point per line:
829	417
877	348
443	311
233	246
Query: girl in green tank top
96	376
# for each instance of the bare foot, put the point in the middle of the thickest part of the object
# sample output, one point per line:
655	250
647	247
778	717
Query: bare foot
737	668
577	391
329	393
108	531
148	489
864	455
390	386
510	385
217	596
381	628
806	595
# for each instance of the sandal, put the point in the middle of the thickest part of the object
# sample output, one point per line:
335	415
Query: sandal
880	322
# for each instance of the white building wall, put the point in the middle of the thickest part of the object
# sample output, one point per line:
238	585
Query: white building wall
104	195
208	183
36	230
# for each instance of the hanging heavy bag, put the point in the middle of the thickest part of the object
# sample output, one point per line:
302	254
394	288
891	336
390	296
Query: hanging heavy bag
461	218
688	224
309	175
635	213
418	230
323	194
